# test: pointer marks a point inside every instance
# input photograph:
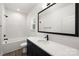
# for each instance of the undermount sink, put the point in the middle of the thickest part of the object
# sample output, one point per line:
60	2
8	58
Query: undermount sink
42	40
38	39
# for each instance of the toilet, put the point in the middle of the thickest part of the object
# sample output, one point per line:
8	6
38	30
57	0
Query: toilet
24	46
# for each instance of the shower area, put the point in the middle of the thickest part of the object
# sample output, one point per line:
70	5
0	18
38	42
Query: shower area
12	29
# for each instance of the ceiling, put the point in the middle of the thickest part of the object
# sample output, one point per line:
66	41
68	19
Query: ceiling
24	7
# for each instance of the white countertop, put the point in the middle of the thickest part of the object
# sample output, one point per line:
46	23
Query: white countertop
54	48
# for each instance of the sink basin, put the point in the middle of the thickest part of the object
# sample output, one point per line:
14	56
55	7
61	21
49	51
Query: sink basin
41	40
38	40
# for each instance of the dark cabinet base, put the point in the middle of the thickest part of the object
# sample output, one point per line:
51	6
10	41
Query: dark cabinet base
34	50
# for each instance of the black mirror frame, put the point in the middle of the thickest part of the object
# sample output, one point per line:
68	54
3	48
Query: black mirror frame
76	22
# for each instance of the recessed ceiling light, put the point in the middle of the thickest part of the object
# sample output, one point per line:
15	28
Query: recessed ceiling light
18	9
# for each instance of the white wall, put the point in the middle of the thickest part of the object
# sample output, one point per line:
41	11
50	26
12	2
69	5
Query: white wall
15	25
32	15
66	40
0	26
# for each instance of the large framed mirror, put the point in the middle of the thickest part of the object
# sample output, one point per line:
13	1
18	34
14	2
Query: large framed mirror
59	18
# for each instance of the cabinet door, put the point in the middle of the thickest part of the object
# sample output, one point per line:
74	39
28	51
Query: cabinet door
34	50
31	50
28	48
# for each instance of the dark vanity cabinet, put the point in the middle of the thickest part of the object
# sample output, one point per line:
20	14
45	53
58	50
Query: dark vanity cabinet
34	50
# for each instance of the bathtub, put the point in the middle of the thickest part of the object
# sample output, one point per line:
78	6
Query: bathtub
12	44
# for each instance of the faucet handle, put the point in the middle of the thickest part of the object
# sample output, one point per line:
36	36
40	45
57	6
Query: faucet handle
6	39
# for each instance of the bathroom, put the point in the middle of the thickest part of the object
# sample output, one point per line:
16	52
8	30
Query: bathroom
19	24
